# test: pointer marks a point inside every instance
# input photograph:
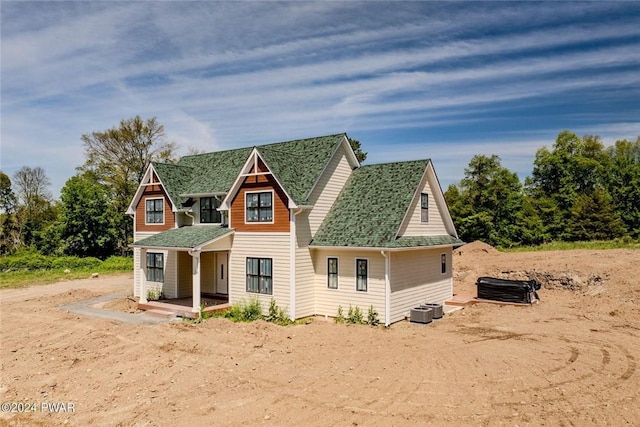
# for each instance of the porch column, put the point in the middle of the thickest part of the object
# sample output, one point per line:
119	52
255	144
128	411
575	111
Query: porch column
143	275
195	258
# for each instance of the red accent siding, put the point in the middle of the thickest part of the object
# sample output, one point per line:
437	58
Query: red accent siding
154	192
280	203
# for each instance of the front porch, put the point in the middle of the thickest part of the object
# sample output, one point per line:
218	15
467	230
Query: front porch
183	307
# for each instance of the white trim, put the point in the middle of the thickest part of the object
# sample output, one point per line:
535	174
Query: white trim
131	210
355	265
387	287
273	207
327	275
146	199
292	264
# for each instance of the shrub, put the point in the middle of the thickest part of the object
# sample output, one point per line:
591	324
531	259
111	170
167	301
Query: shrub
354	315
372	317
340	316
276	314
117	263
244	312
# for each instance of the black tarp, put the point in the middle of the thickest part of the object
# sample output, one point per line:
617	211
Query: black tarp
505	290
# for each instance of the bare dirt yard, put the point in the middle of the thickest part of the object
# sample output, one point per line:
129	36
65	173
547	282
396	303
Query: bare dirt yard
571	360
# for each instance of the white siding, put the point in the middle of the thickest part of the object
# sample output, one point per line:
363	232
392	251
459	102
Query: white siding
185	275
260	245
136	261
416	278
208	272
168	288
327	188
305	276
413	226
328	300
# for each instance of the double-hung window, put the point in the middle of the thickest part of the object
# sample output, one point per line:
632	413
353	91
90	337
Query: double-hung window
208	212
362	272
259	207
424	207
154	211
332	273
155	267
259	275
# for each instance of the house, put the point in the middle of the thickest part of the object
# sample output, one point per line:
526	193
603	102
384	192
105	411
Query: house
300	222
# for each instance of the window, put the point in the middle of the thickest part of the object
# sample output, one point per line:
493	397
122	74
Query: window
259	276
155	267
424	207
208	212
443	263
155	211
332	273
259	207
361	275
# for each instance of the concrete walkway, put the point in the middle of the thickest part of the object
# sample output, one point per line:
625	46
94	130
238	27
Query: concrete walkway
86	308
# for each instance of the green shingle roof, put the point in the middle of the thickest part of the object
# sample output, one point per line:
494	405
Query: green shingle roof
370	209
185	237
297	165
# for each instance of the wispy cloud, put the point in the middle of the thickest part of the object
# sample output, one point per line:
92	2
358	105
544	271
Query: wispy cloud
450	78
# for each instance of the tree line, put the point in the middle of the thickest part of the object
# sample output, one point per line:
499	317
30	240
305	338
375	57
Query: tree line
579	190
89	219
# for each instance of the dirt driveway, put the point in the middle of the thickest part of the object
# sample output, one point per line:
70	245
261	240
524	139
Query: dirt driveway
571	360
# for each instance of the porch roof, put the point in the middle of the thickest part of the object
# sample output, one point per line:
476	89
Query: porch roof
189	237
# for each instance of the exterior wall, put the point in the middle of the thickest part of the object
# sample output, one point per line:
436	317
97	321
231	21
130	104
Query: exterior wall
208	272
154	192
327	188
280	206
305	276
328	300
416	278
185	274
413	226
169	286
260	245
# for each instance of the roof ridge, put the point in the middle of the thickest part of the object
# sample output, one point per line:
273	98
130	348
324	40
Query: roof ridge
397	162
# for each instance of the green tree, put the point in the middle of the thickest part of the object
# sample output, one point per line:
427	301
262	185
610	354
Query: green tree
624	183
119	157
86	227
35	204
593	217
487	202
8	227
357	149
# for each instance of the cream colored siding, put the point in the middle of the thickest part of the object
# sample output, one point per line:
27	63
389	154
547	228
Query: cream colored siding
260	245
185	275
327	188
223	244
416	278
413	225
304	268
136	262
328	300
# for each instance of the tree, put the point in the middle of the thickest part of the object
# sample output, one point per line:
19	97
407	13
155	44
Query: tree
487	202
8	227
86	227
35	206
624	182
119	157
593	217
357	149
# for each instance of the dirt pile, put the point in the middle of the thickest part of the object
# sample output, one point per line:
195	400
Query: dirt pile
476	247
554	279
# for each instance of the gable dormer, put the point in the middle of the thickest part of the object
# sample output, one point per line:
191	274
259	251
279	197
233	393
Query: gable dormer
152	207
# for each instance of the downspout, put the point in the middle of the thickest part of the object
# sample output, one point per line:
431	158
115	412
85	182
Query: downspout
193	218
292	262
387	288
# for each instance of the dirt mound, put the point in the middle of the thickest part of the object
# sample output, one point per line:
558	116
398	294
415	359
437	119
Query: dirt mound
476	247
567	280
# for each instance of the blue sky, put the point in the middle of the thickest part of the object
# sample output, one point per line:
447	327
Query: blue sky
408	79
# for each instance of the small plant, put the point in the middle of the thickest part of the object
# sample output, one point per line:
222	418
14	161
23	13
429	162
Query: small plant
354	315
154	294
245	312
372	317
276	314
340	317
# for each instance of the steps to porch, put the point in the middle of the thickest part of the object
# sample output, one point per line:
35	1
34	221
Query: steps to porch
182	307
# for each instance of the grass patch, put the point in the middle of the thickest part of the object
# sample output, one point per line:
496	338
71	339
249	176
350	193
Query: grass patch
29	268
624	243
252	310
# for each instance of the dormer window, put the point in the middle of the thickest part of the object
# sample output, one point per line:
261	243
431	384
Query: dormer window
154	213
259	207
208	211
